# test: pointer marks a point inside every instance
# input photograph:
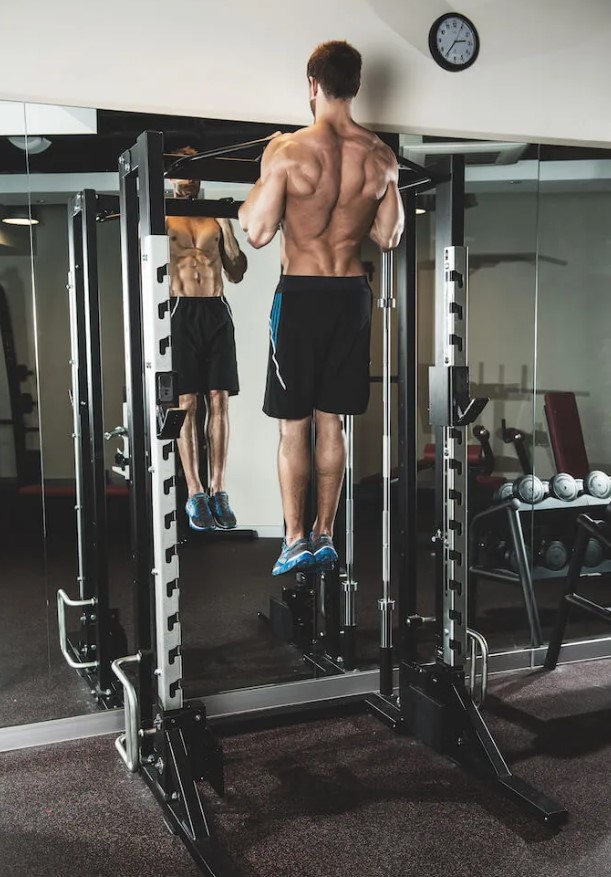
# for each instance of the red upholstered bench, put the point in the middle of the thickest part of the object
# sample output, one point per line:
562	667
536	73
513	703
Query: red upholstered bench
565	433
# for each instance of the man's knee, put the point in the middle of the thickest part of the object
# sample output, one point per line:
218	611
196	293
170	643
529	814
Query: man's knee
294	430
329	424
218	401
188	403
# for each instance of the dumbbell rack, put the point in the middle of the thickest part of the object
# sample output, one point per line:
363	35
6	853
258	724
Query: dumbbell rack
525	575
580	504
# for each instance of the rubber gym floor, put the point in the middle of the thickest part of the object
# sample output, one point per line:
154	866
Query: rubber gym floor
336	797
329	797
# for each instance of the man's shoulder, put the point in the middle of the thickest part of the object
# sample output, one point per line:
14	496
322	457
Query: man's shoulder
380	149
291	148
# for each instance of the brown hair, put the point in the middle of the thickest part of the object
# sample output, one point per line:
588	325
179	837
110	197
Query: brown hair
184	150
336	66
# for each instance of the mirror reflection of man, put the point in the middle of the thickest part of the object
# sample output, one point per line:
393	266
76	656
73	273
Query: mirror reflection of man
203	251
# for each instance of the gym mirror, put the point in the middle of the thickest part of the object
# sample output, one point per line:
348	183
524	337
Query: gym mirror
26	688
240	627
571	423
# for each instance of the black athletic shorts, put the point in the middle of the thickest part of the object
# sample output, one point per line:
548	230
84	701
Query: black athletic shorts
203	345
319	347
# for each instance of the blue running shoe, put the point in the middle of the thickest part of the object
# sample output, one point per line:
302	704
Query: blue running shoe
293	558
323	552
221	511
198	512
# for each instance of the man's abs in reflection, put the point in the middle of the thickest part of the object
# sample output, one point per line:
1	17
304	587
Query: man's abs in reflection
204	252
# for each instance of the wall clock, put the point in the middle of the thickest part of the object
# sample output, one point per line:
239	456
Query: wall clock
454	42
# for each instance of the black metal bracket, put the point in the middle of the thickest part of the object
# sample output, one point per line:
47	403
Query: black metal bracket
450	401
437	708
186	752
169	422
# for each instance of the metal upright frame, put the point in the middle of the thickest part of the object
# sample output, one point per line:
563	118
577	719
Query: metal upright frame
101	636
434	702
167	740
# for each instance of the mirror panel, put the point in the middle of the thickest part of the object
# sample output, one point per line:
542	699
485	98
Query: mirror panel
228	595
574	270
26	694
501	234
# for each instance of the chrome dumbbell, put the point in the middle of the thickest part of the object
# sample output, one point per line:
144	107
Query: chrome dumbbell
530	489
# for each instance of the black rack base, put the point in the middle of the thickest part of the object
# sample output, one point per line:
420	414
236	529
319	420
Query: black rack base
436	707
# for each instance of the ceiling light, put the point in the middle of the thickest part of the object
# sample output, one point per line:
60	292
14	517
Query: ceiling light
420	211
32	145
19	216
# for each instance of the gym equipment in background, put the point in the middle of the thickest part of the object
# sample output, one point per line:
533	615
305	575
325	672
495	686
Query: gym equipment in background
101	637
566	434
592	531
27	462
548	510
518	438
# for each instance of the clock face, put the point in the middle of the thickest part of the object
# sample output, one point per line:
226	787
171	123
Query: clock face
454	42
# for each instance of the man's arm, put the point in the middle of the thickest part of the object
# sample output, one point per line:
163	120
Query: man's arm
263	210
389	221
233	259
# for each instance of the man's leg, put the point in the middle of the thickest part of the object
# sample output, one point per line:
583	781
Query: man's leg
217	429
198	510
188	444
330	467
294	471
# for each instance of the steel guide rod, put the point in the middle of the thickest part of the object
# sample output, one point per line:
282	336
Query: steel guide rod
78	378
348	583
386	604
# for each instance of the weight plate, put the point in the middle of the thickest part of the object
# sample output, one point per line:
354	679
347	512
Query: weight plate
529	489
554	554
594	553
504	492
597	484
563	486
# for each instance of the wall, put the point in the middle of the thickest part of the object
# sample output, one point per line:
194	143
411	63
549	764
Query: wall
542	73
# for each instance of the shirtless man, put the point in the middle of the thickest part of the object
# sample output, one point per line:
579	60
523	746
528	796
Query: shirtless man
203	345
328	186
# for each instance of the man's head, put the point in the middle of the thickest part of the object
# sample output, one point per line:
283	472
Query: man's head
185	188
335	69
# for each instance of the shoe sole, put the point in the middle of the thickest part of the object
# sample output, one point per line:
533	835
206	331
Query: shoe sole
225	526
325	555
301	563
201	529
324	559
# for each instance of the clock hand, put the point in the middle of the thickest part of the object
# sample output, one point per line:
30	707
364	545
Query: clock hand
456	40
455	43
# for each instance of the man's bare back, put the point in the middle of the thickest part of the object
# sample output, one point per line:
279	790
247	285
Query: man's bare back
333	181
201	250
